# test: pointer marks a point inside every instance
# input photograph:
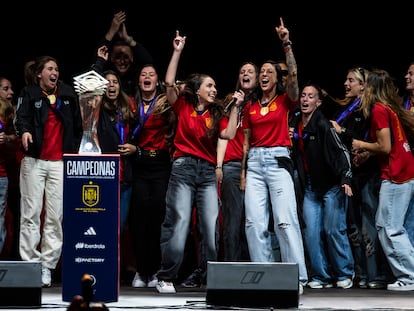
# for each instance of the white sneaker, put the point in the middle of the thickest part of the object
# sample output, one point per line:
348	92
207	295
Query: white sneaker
164	287
345	284
300	288
153	281
46	277
137	281
317	285
400	286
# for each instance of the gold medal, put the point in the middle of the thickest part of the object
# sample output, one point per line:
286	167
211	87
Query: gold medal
264	111
52	99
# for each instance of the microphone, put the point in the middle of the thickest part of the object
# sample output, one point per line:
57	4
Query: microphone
230	104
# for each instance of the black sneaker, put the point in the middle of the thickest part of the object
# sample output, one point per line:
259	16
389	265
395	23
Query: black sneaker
193	280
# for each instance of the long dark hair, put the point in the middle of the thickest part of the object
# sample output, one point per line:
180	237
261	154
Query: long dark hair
189	92
122	102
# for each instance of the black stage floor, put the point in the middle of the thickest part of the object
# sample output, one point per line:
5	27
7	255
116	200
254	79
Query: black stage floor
195	299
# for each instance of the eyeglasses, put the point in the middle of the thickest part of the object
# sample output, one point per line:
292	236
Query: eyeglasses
284	72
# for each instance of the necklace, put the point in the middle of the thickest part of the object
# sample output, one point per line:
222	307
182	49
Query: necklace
265	106
264	110
147	103
50	97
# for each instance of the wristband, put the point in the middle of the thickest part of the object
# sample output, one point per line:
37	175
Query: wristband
287	43
219	167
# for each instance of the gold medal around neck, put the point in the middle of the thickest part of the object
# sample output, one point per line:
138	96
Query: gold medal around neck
52	99
264	111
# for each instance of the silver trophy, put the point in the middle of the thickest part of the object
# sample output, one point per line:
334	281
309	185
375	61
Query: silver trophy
90	87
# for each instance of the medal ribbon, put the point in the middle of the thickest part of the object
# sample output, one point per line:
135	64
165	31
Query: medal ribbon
347	112
143	116
120	128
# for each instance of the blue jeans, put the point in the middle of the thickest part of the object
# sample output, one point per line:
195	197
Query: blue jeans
192	182
376	264
325	235
409	221
392	209
267	180
3	197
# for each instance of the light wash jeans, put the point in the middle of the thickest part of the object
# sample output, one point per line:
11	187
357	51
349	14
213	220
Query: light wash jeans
266	180
377	268
4	182
192	182
409	221
392	209
325	234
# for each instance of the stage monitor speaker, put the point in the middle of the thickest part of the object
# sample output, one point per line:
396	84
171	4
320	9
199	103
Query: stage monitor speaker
20	284
252	284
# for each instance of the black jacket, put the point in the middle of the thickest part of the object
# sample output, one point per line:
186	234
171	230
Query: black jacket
109	140
357	127
327	157
32	111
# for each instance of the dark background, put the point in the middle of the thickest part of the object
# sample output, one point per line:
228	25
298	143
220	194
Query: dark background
327	39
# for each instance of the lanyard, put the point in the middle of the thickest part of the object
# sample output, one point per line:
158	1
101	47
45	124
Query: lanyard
143	116
407	104
120	128
347	112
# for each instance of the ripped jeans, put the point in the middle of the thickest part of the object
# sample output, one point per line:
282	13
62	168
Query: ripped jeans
268	183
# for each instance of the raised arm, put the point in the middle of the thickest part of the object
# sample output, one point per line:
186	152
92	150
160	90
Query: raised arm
292	85
170	75
118	20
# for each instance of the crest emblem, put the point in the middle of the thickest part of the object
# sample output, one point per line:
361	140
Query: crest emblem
209	123
90	194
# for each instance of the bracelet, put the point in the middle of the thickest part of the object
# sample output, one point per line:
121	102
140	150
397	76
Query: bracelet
343	130
170	85
287	43
219	167
130	39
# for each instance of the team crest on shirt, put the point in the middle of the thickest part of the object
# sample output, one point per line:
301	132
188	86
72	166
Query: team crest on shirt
209	123
272	106
90	194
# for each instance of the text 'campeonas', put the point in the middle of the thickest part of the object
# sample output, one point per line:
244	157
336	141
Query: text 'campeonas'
91	168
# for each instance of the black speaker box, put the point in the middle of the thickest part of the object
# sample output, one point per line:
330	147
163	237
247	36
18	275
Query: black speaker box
20	284
252	284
